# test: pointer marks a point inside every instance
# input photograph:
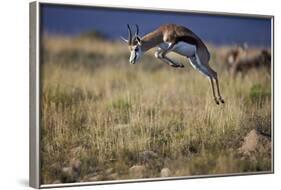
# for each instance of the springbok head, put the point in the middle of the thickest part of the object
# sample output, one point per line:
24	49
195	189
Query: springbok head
134	44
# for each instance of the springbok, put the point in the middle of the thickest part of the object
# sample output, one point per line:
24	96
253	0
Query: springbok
242	59
178	39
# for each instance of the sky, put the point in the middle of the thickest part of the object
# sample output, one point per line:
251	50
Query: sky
216	29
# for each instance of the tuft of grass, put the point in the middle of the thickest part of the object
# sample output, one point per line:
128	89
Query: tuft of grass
258	93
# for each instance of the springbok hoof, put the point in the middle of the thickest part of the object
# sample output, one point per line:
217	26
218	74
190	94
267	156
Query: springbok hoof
217	102
222	101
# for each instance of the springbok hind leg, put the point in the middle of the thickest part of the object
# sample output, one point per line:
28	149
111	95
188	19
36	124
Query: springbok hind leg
213	89
218	89
205	70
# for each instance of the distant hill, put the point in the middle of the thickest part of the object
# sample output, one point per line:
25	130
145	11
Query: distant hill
93	34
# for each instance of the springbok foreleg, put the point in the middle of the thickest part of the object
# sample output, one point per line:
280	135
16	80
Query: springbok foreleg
161	54
170	62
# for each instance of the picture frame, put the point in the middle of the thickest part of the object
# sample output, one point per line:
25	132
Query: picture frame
36	85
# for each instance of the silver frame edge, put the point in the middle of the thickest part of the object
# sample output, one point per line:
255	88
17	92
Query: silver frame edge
46	186
34	137
147	8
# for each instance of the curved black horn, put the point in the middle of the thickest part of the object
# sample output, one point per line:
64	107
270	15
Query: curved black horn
137	28
130	34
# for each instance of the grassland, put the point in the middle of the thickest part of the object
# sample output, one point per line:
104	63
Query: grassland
99	115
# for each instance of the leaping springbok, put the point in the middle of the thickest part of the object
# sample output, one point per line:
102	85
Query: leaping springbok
171	37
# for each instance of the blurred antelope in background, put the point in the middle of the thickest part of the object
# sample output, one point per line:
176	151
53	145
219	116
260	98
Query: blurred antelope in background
242	59
178	39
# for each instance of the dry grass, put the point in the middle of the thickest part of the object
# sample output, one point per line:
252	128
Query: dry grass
100	110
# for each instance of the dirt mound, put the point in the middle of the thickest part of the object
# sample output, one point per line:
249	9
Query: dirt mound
138	171
165	172
255	142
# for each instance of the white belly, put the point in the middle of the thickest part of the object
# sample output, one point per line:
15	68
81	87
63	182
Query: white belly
181	48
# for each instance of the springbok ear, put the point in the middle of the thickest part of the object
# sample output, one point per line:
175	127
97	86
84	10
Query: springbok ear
138	39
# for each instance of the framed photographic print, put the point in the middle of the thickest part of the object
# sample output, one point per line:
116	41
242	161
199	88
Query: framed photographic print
128	94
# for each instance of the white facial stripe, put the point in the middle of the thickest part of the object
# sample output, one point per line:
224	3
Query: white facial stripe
135	55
